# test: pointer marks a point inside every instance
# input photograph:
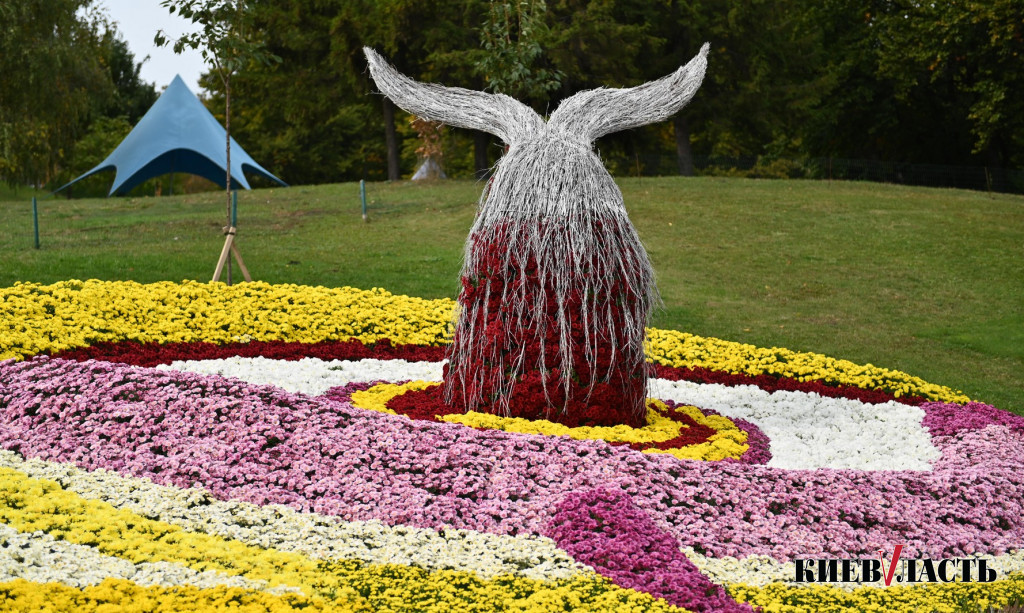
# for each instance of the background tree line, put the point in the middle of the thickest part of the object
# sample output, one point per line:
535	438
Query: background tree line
69	89
892	80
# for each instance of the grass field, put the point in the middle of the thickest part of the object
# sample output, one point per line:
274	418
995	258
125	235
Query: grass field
926	281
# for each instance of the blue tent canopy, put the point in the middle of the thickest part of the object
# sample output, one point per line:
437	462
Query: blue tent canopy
177	134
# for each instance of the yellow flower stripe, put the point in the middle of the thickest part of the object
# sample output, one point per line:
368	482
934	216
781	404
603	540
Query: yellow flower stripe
931	597
48	318
126	596
29	505
728	442
377	397
680	350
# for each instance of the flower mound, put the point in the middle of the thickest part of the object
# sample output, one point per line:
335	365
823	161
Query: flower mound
158	447
685	432
559	342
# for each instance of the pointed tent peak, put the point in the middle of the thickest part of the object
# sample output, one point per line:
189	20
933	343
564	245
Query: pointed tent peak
178	88
177	135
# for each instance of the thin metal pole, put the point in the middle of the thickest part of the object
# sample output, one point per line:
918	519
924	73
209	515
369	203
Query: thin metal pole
362	196
35	219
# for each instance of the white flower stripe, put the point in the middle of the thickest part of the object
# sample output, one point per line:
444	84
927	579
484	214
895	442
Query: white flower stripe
310	534
806	430
40	558
311	376
809	431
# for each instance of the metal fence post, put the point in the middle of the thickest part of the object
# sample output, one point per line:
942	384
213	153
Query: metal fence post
362	196
35	219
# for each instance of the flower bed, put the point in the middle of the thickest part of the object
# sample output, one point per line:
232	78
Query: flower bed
201	446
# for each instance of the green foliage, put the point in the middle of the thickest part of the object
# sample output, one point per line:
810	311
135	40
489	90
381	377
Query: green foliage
307	117
132	97
226	38
511	39
104	135
970	55
935	83
918	82
52	82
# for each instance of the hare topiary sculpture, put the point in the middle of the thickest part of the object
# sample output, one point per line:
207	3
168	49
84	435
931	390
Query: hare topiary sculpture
556	287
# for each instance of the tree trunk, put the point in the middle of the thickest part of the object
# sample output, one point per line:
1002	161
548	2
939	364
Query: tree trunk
391	138
227	138
683	151
995	169
480	143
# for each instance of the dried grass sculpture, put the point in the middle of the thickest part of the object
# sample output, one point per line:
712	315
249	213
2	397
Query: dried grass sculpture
556	287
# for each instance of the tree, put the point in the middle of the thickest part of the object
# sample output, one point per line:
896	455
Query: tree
104	135
310	113
511	38
228	42
53	83
133	96
917	82
433	41
854	111
967	57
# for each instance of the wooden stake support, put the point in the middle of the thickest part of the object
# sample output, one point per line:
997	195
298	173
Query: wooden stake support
230	249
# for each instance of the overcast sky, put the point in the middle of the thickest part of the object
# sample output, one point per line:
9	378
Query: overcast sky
138	22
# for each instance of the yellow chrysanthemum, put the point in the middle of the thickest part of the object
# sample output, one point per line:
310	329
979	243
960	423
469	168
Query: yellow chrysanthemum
728	441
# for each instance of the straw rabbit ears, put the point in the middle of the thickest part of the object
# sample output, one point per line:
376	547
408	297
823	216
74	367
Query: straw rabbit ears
589	114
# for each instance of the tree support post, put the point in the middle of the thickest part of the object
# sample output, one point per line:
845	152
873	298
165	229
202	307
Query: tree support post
230	248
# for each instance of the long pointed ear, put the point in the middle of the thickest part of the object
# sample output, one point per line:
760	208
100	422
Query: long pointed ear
505	117
601	111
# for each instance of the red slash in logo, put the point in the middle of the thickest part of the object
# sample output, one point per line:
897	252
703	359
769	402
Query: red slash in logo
891	569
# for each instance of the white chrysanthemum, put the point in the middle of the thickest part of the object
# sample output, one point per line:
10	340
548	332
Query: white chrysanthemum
40	558
310	534
809	431
311	376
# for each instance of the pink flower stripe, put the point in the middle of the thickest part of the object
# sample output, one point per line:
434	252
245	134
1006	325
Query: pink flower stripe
607	531
152	354
263	445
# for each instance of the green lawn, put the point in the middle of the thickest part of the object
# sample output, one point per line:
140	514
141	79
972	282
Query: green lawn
922	280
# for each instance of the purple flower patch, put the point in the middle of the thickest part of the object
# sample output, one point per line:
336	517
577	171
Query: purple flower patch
943	418
605	530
